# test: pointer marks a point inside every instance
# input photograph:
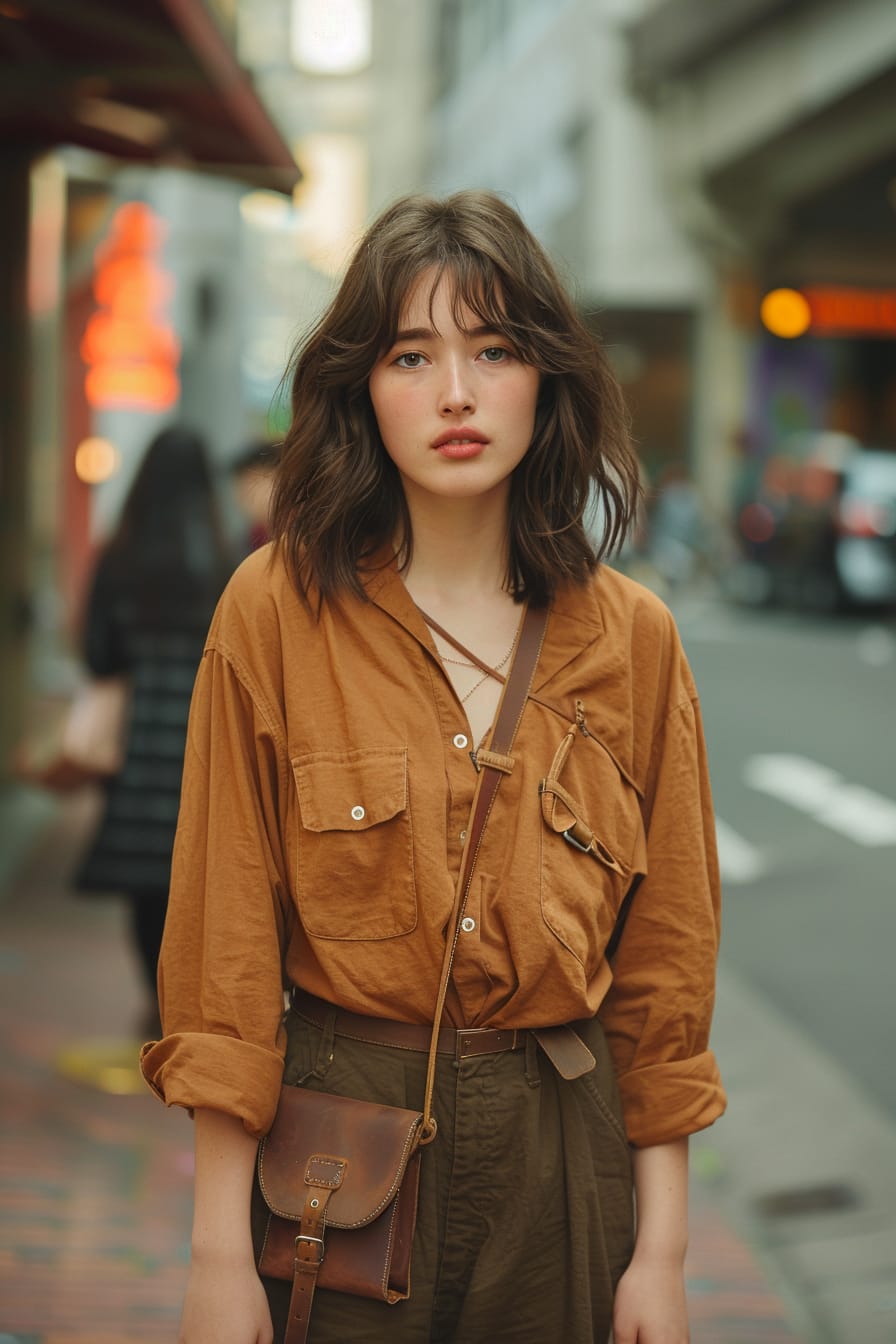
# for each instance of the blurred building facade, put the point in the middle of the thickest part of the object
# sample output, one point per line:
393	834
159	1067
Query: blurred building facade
683	160
778	154
351	83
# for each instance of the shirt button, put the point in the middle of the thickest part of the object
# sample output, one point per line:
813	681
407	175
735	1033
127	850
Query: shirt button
463	835
468	924
460	742
358	814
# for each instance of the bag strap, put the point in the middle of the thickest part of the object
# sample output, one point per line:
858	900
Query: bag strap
491	763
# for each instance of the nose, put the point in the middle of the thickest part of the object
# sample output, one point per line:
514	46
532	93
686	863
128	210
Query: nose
457	396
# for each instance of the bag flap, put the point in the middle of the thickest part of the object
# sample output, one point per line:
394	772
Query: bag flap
374	1141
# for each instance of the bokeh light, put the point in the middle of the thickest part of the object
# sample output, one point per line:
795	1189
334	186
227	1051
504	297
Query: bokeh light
96	460
786	313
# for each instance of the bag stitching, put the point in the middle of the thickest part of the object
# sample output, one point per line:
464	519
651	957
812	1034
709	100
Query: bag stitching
406	1153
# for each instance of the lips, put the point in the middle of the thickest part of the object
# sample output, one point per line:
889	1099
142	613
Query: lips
460	442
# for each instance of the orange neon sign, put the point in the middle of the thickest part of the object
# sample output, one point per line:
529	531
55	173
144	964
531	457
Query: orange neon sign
830	310
871	311
129	346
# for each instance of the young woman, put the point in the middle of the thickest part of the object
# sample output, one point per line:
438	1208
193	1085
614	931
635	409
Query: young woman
452	422
153	592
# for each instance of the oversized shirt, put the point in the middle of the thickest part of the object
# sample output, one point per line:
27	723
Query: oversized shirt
327	789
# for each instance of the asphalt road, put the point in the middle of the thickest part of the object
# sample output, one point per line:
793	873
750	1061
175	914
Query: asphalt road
800	716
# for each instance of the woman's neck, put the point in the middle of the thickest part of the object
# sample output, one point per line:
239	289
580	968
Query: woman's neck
458	576
459	552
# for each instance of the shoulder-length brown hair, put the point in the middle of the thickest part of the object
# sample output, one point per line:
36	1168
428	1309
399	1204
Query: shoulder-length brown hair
339	498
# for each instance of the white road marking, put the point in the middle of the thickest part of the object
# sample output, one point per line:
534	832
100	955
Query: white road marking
739	861
862	815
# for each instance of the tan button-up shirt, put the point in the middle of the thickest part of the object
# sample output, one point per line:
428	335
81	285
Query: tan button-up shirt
327	786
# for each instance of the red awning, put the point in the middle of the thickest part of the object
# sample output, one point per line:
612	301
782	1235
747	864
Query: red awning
150	80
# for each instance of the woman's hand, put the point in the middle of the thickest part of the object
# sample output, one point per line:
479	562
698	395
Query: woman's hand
225	1304
650	1305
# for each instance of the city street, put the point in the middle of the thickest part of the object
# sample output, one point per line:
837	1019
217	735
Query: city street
810	890
801	729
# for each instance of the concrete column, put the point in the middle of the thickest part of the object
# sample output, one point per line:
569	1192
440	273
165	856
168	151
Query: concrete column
721	383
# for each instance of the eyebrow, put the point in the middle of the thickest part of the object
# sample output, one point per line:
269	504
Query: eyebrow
428	333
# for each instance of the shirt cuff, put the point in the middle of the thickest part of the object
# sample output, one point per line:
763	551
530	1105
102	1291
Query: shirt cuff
221	1073
665	1102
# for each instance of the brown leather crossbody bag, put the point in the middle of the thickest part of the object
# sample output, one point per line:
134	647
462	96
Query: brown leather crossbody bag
340	1177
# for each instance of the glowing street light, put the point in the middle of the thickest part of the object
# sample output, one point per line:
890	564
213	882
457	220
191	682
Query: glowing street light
785	313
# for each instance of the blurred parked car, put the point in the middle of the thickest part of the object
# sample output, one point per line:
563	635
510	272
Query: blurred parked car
820	529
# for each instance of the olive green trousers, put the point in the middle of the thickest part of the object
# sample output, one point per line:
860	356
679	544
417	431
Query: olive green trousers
525	1219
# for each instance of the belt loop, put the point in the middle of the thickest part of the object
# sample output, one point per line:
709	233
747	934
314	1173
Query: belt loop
326	1048
533	1078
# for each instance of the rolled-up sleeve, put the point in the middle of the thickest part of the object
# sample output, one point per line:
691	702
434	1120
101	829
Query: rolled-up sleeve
220	976
658	1011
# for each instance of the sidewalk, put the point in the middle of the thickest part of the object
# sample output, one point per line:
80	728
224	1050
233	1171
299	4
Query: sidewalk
95	1189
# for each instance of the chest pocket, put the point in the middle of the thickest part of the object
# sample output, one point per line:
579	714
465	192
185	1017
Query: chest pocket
355	878
591	845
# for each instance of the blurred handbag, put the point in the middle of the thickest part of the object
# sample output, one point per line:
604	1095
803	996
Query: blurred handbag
93	736
89	746
339	1176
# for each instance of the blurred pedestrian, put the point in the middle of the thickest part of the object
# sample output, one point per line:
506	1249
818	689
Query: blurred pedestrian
451	418
254	472
676	527
153	592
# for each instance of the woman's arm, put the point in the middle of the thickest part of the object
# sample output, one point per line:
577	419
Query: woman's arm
650	1305
225	1302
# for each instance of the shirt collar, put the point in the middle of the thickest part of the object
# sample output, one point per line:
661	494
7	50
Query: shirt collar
576	622
384	587
575	619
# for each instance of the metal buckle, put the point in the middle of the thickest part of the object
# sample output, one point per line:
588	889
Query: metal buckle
576	844
466	1037
317	1241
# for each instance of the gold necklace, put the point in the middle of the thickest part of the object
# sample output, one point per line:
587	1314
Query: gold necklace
485	676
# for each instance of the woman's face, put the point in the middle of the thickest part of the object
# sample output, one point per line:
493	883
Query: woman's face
455	409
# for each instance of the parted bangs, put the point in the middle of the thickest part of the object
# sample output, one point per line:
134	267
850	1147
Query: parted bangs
476	287
495	268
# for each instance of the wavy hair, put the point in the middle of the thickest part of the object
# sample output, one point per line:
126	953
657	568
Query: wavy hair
339	498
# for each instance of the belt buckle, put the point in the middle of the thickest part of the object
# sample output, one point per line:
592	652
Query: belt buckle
312	1241
465	1041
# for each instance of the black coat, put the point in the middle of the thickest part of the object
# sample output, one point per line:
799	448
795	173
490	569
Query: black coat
155	640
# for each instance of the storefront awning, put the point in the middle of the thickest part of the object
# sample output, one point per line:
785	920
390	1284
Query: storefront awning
146	80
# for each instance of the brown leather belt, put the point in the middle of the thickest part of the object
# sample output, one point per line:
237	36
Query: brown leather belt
461	1044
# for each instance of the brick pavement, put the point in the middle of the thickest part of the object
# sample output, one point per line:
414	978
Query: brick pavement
95	1188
